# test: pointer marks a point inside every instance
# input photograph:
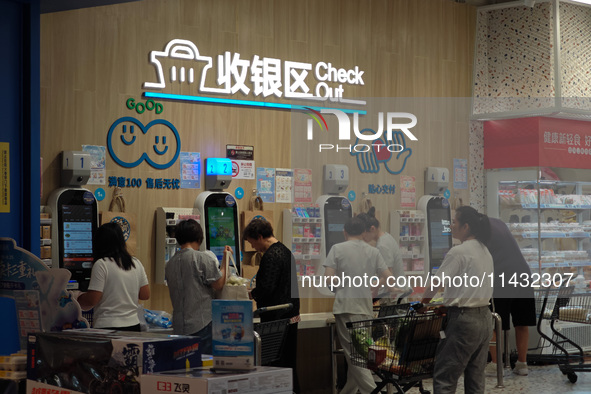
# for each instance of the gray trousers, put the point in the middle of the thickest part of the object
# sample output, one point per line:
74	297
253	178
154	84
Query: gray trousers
463	350
357	378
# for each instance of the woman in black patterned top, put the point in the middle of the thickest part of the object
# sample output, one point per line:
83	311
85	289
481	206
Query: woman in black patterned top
276	283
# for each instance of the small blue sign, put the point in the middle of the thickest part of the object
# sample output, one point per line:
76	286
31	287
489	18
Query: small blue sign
88	198
345	204
351	196
239	193
99	194
446	193
230	202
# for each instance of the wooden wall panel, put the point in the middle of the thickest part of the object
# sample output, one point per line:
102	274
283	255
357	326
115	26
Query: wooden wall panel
94	59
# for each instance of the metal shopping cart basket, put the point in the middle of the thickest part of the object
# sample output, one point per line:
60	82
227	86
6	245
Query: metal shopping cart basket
550	347
270	336
398	349
396	308
576	309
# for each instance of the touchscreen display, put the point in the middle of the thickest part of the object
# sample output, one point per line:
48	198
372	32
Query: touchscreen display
77	222
439	235
335	219
221	230
77	226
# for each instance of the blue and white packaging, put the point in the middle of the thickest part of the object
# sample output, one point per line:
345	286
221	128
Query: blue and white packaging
232	334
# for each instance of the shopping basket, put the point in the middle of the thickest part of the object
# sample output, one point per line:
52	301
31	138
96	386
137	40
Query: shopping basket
398	349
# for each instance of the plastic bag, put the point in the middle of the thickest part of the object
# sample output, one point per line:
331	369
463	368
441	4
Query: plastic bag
158	318
235	286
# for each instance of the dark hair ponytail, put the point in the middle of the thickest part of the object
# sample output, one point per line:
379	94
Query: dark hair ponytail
478	222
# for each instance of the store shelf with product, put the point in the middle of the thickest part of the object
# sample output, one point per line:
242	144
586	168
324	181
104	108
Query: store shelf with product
45	250
166	244
548	211
549	218
302	233
408	228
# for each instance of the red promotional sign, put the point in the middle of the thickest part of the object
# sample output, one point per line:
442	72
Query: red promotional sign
537	141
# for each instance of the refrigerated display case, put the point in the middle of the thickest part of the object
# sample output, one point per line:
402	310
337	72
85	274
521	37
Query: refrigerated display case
549	213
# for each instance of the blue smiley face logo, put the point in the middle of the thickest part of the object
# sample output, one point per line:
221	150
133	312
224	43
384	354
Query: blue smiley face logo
157	143
130	143
131	132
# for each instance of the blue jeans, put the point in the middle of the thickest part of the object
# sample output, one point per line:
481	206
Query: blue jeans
205	335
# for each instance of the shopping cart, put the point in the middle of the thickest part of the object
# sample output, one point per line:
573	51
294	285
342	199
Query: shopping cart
396	308
270	336
549	350
575	309
399	349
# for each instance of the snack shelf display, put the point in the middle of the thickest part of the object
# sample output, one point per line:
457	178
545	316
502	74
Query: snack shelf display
551	221
408	228
302	233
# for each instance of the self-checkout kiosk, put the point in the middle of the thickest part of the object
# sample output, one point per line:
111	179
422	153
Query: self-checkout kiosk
335	210
438	217
74	220
218	210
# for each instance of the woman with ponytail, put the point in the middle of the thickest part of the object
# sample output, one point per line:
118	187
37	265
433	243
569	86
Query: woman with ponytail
465	278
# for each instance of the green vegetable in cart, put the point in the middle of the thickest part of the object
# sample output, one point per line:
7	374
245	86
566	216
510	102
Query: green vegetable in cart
361	341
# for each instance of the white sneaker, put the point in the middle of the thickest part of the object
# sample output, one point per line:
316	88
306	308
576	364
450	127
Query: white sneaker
490	370
521	368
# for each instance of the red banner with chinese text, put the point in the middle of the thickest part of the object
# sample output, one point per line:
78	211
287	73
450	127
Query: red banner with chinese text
537	141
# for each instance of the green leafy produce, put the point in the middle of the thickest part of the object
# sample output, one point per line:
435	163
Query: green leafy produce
361	341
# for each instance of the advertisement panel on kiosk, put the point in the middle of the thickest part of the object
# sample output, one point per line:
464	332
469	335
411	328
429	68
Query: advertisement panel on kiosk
74	215
439	240
219	221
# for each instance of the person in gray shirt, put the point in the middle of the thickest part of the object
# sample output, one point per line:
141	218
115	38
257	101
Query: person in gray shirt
386	244
354	259
192	276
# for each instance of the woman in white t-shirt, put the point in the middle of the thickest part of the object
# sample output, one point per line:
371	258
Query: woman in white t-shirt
117	281
465	272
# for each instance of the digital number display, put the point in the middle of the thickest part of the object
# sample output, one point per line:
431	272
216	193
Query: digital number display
219	167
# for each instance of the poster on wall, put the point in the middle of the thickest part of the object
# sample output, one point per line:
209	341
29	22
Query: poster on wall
408	195
190	170
243	169
4	178
283	185
266	183
98	170
240	152
302	185
460	174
